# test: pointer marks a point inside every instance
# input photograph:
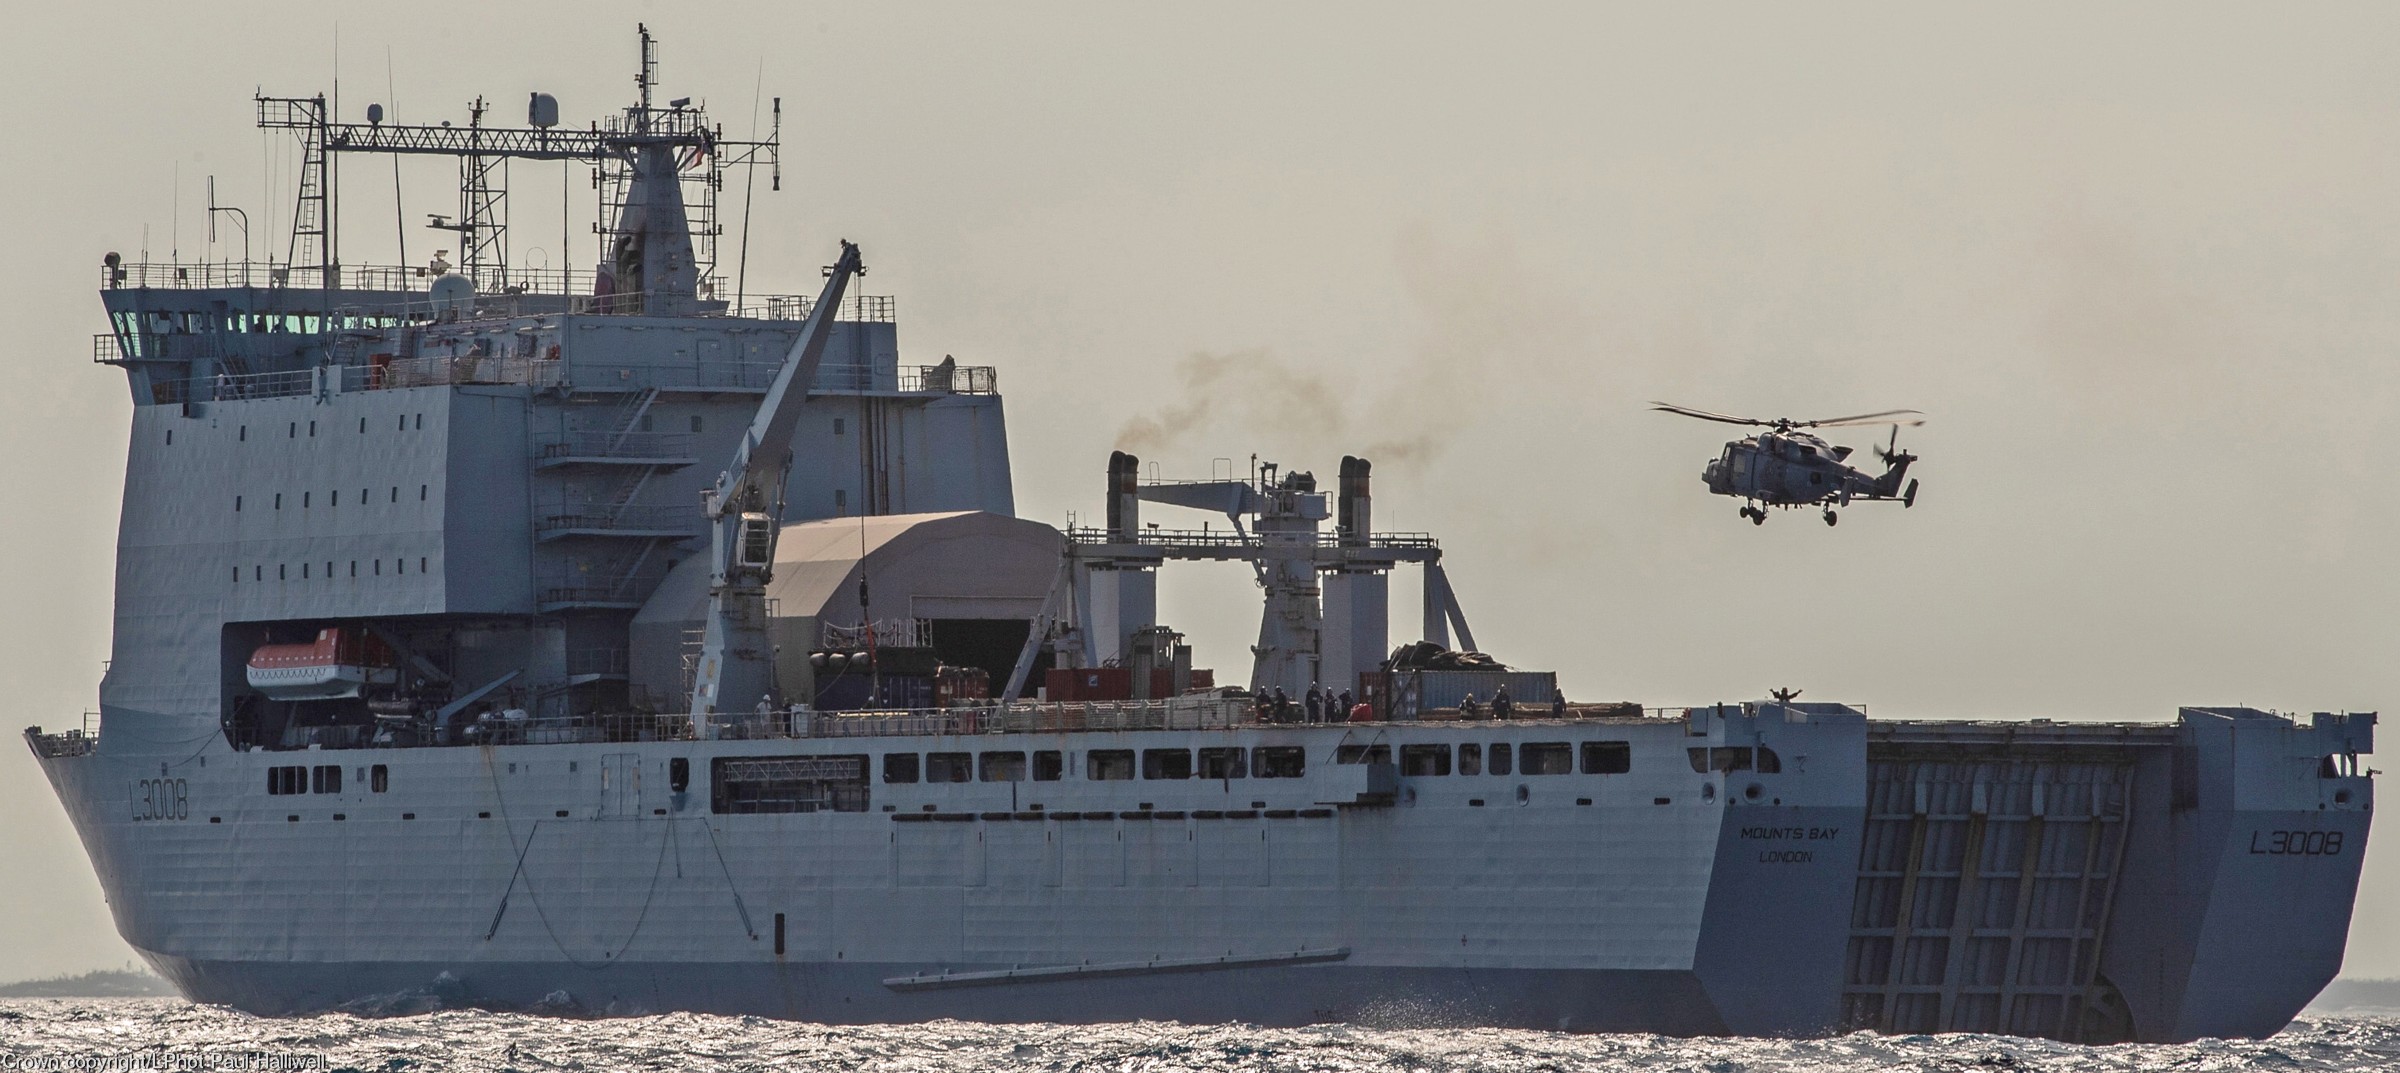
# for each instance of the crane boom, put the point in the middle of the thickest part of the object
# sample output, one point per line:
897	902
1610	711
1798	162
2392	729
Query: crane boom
744	510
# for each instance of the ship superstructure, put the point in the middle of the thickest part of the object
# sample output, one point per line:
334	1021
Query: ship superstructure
524	638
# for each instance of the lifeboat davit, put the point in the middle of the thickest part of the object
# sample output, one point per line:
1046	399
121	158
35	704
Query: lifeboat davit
339	663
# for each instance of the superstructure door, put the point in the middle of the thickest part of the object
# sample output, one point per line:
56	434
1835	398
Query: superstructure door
620	785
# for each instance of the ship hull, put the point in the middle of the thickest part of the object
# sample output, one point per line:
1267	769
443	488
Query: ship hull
1674	1003
1923	883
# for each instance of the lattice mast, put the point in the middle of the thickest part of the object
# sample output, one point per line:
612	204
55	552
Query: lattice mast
658	172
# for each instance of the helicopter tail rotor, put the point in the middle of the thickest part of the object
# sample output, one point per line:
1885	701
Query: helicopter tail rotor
1896	463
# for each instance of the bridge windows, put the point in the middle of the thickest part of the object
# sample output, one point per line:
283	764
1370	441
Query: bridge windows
1363	754
752	784
1546	758
1470	759
1048	766
379	778
1728	759
1166	763
1278	761
1607	757
1108	765
297	779
948	767
1502	762
1224	763
899	767
1425	760
1002	767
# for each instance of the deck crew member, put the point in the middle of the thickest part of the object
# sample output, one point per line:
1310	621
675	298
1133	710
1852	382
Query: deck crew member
1502	706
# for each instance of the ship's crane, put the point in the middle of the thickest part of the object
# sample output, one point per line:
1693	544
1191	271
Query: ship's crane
745	515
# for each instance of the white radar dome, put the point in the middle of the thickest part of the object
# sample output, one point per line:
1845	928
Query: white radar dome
453	297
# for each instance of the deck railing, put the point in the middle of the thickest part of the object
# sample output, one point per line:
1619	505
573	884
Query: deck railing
598	519
75	741
593	443
1198	712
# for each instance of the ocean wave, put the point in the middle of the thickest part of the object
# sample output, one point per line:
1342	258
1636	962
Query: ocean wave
403	1035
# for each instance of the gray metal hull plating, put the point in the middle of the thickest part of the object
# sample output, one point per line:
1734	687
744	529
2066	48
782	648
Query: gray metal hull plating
1552	999
1651	897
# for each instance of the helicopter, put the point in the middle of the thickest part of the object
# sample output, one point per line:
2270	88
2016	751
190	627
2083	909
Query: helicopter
1785	467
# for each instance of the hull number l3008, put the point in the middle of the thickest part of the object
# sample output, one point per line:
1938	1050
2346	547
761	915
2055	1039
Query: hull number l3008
2297	843
161	799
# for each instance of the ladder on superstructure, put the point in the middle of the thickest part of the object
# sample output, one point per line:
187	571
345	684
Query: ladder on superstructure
312	240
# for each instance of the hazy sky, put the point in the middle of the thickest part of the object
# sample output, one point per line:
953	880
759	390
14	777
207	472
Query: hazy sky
2136	262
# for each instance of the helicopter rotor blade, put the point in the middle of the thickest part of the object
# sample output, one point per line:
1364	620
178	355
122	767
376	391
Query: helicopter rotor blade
1707	416
1879	417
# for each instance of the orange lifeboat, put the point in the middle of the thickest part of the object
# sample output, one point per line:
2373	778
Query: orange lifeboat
339	663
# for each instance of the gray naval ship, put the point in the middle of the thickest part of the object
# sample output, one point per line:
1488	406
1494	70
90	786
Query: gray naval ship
600	640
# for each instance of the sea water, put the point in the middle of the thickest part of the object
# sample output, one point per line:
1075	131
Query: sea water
97	1034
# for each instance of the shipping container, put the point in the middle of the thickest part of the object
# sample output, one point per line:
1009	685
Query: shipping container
1401	695
1116	683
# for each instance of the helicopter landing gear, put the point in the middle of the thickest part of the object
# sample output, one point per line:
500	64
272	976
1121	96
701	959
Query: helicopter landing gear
1831	518
1757	515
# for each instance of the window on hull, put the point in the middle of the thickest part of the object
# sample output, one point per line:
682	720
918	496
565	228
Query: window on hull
1108	765
756	784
